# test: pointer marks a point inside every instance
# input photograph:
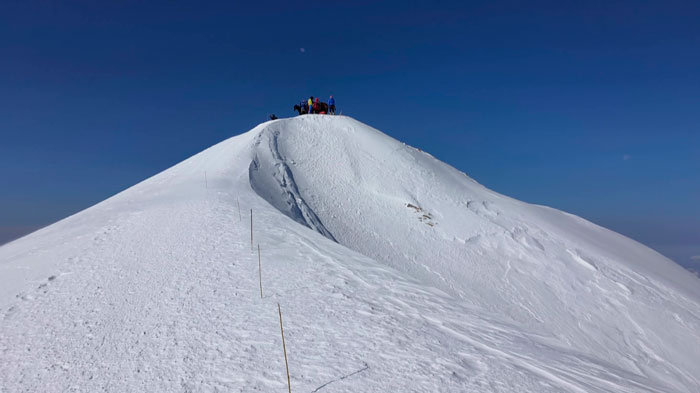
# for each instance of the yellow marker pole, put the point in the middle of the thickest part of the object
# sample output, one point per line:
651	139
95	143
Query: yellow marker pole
284	347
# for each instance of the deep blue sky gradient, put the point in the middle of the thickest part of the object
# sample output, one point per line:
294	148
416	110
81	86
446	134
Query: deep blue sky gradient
591	107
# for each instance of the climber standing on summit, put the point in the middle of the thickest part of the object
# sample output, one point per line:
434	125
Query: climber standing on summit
310	102
331	106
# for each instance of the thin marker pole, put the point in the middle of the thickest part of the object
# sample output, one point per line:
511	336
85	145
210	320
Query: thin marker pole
251	229
206	182
260	272
284	347
239	211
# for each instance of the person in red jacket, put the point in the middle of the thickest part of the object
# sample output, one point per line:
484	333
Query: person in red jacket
317	108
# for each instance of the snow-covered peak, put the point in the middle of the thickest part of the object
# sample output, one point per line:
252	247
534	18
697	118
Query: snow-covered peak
548	271
393	266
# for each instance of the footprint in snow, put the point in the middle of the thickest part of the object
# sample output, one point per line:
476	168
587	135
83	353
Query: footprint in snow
10	312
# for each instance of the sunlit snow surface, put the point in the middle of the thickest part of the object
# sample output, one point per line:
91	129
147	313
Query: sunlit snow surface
395	273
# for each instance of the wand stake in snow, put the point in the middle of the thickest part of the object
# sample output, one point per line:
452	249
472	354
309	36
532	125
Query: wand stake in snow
239	211
251	229
206	183
260	272
284	347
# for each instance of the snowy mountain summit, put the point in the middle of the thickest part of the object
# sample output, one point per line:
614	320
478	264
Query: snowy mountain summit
394	271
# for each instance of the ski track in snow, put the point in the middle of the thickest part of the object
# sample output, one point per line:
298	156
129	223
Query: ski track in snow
156	289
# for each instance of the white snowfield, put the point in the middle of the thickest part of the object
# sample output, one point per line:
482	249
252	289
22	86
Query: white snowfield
394	271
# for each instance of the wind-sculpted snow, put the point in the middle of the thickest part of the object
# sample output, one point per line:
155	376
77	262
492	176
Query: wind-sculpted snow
588	288
433	283
272	179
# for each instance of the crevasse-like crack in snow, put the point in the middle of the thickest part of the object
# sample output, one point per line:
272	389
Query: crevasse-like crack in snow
272	179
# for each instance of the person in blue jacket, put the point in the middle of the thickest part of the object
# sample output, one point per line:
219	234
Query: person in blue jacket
331	106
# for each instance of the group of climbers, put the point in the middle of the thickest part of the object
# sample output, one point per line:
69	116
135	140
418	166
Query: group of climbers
315	106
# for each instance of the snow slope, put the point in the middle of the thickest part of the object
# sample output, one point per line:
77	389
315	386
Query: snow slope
394	271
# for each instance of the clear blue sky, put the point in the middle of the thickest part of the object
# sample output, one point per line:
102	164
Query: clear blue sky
592	107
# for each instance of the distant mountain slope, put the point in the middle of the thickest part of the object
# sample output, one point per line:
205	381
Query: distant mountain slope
396	272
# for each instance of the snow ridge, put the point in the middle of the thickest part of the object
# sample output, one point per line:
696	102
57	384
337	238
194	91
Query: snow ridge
547	271
414	278
272	179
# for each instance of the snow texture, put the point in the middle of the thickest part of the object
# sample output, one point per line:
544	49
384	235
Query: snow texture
395	273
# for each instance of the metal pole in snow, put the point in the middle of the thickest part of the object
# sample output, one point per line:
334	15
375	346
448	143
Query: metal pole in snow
251	229
239	210
284	347
260	272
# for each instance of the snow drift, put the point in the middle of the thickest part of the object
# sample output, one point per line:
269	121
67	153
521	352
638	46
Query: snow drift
397	273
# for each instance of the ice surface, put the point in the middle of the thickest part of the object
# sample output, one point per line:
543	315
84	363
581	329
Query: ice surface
395	272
